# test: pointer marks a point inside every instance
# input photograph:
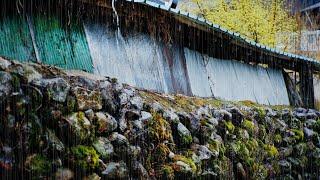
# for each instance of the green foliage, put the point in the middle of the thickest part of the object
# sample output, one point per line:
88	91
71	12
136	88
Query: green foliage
86	157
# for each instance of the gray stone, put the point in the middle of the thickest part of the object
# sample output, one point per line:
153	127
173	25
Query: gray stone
136	102
87	99
118	139
139	171
308	133
222	115
104	147
89	114
54	142
5	84
203	152
105	122
64	174
80	126
116	170
157	107
170	116
237	116
184	134
4	64
145	117
108	96
57	89
204	112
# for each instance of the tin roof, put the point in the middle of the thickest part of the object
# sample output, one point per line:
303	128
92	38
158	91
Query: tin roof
215	27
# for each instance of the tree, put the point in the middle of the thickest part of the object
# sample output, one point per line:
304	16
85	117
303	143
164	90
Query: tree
259	20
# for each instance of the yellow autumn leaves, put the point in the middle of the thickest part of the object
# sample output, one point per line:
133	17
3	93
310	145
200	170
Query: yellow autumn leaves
260	20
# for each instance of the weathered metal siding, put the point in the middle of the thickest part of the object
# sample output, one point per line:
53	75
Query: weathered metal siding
233	80
63	46
21	38
15	39
137	59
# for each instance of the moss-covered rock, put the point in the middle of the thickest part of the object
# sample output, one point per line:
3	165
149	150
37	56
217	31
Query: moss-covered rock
38	165
84	157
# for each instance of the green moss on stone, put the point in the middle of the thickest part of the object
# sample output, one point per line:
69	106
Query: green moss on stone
229	126
248	125
38	164
271	150
159	129
86	157
167	172
186	160
298	134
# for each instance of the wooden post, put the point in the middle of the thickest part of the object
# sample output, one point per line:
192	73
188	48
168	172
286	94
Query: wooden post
306	85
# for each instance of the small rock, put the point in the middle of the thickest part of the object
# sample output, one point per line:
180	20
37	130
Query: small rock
203	152
184	133
138	124
126	95
87	99
134	151
54	142
157	107
240	171
237	116
145	117
170	116
4	64
108	97
222	115
139	171
204	112
308	133
136	102
116	170
64	174
93	176
131	114
80	125
118	139
28	72
103	146
5	84
184	167
89	114
105	122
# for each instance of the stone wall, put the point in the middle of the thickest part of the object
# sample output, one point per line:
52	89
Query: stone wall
57	124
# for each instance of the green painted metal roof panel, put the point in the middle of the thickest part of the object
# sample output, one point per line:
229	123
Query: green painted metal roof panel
15	38
62	46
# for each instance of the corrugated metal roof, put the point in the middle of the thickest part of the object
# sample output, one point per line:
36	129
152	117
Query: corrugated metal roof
215	27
